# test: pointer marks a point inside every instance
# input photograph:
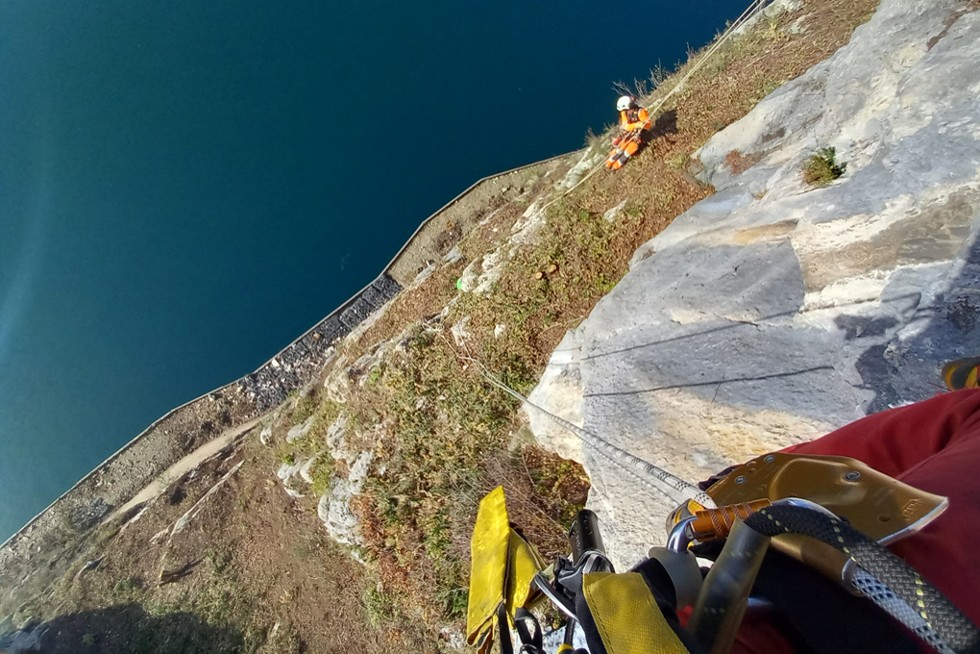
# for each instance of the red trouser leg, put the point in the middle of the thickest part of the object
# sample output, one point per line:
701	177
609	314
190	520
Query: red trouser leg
932	445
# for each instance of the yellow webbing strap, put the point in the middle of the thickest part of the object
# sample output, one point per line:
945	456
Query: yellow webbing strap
488	564
523	562
502	565
626	615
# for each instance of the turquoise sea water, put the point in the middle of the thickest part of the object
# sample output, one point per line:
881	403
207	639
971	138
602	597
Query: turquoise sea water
187	186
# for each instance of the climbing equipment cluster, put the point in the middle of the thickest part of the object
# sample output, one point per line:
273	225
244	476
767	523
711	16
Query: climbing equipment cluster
774	525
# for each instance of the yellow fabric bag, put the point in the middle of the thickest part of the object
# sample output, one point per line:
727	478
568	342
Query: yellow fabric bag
502	565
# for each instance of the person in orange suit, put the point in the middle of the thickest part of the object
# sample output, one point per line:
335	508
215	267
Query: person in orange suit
634	121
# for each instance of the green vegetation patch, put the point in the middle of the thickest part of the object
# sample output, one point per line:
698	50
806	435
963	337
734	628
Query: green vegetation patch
821	168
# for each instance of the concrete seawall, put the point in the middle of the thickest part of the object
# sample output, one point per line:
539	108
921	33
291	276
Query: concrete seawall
32	555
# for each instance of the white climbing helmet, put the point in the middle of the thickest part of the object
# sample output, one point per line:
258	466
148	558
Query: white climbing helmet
624	103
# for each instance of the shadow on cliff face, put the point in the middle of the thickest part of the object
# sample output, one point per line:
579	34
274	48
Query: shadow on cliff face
906	367
923	319
129	629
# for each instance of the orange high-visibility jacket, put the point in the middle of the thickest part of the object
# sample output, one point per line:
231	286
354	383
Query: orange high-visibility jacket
632	119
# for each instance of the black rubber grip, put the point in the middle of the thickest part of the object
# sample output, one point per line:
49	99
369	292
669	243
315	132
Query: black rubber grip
583	535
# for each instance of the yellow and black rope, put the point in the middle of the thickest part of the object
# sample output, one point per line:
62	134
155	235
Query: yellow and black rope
934	617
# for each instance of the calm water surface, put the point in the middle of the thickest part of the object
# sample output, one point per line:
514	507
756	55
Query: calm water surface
187	186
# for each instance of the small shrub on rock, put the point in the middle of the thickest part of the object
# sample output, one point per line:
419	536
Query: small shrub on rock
821	168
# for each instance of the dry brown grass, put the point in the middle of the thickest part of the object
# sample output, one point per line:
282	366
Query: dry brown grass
251	560
429	298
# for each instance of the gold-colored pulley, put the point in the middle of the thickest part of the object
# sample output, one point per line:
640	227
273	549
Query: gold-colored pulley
875	504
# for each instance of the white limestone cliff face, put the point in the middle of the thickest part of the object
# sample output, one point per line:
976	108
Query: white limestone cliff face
773	312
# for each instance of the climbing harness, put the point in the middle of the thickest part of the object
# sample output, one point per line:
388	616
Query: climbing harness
624	147
831	514
636	611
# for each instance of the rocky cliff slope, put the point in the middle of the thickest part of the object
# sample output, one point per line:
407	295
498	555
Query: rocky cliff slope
776	310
